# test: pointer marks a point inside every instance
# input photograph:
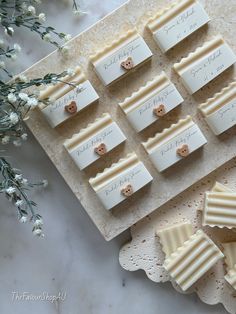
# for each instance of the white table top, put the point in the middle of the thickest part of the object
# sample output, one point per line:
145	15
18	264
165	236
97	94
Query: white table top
73	258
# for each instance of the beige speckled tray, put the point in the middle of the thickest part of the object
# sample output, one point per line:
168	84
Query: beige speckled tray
165	186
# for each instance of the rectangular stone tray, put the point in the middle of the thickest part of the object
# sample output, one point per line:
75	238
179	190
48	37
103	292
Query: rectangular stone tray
167	185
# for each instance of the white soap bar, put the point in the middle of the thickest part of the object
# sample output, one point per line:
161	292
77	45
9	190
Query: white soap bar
173	237
97	139
160	95
230	254
175	143
63	96
204	64
120	57
175	23
220	111
219	210
192	260
120	181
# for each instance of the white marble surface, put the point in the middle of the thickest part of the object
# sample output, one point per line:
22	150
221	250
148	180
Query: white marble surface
73	258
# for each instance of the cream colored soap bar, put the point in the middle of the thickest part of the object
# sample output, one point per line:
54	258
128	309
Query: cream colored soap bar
66	100
230	254
96	140
173	237
120	181
220	111
176	22
230	277
219	187
120	57
175	143
205	64
192	260
151	102
220	209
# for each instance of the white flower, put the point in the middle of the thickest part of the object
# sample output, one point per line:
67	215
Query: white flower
23	96
37	231
17	143
19	203
42	17
45	183
24	181
38	222
67	37
47	37
9	31
11	190
23	219
5	139
17	48
31	10
18	177
11	98
13	118
24	136
65	50
22	78
2	64
32	102
70	72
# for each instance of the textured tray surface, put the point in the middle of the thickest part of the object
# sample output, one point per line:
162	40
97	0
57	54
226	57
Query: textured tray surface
169	184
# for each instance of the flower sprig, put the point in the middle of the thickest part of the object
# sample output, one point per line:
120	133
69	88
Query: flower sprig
15	187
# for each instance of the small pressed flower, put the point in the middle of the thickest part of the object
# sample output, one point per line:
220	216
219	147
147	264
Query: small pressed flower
11	190
5	139
24	181
13	57
17	143
11	98
32	102
19	203
23	219
37	231
18	177
70	72
24	136
47	37
2	64
31	10
17	48
23	96
65	50
67	37
45	183
42	17
38	222
13	118
22	78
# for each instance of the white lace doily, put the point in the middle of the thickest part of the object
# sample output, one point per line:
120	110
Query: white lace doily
144	251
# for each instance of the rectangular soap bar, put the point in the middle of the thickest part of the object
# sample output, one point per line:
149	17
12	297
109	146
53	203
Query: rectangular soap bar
220	111
219	187
230	254
120	181
151	102
120	57
230	277
96	140
205	64
174	143
173	237
66	100
192	260
173	24
220	209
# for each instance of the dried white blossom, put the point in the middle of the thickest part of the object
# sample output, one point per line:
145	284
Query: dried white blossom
24	136
23	96
38	222
22	78
64	50
13	57
11	98
32	102
47	37
17	143
5	139
2	65
10	190
13	118
70	72
31	10
45	183
19	203
67	37
42	17
18	177
17	48
37	231
24	181
23	219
